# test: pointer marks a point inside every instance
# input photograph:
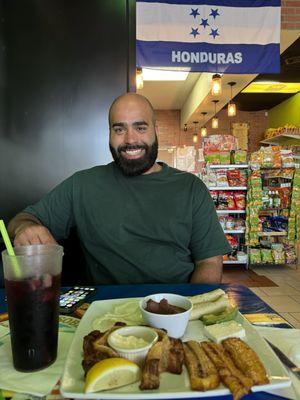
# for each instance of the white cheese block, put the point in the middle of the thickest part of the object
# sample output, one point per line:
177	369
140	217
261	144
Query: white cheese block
224	330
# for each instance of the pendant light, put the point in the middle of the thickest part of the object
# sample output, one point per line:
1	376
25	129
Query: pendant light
195	135
203	129
231	110
215	120
216	88
139	78
185	128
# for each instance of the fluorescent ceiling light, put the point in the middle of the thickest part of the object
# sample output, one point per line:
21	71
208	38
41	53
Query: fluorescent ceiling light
272	87
163	75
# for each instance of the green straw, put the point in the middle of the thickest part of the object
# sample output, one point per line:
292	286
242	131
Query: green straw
10	249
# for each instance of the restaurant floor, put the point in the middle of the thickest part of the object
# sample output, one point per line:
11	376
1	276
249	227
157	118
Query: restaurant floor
278	286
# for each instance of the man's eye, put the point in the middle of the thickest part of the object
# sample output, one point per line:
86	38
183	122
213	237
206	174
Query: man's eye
118	129
141	128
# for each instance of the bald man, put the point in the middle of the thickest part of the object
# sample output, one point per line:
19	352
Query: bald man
138	220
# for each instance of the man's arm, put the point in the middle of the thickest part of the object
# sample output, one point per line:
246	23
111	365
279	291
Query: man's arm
208	271
25	229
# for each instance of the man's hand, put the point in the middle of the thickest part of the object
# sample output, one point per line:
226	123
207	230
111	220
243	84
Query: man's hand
34	234
208	271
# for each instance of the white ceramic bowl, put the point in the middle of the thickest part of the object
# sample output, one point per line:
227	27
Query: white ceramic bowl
174	324
136	355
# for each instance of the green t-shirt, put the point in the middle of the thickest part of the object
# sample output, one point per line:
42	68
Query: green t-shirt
143	229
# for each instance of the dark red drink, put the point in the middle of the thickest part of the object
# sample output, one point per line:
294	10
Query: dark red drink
33	317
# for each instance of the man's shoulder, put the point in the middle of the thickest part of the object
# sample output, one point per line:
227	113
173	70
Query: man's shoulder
185	176
94	172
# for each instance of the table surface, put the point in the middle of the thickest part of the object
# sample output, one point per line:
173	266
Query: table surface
240	295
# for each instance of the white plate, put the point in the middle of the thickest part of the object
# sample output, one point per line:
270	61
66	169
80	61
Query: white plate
171	386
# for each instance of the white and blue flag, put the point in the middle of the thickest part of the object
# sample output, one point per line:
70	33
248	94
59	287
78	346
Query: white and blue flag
221	36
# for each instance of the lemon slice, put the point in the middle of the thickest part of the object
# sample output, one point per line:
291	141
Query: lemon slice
111	373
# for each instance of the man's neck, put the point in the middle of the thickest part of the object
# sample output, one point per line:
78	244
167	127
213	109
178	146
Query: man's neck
155	168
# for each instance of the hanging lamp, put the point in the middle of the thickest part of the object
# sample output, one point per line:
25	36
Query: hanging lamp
195	134
216	88
203	129
139	78
215	120
231	109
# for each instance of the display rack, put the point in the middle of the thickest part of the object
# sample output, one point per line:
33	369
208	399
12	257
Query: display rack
266	239
238	212
283	139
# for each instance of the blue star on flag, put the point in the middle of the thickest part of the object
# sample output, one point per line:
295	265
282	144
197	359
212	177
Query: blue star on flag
194	12
194	32
214	13
204	23
214	33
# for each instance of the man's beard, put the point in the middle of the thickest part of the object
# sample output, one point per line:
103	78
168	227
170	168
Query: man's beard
138	166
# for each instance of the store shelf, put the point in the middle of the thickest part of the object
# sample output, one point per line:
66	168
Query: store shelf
234	166
231	211
284	139
272	233
235	262
234	231
227	187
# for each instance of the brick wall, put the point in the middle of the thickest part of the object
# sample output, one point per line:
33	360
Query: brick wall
170	134
290	14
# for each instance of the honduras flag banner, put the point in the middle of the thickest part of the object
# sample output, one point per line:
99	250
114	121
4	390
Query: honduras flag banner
219	36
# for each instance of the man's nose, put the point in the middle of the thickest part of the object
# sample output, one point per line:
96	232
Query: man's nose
131	135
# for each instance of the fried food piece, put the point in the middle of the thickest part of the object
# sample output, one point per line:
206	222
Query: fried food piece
164	356
203	373
246	360
175	356
151	370
95	348
233	378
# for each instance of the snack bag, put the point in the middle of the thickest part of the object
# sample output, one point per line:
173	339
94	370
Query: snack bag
266	255
268	157
214	195
222	178
240	157
224	157
240	200
222	201
230	201
255	256
287	158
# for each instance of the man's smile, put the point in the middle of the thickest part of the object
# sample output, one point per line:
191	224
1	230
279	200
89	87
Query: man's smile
133	153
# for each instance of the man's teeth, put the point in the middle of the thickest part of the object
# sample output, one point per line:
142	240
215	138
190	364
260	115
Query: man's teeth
132	152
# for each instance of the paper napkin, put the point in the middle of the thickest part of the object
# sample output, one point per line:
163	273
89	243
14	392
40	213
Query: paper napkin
288	341
35	383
